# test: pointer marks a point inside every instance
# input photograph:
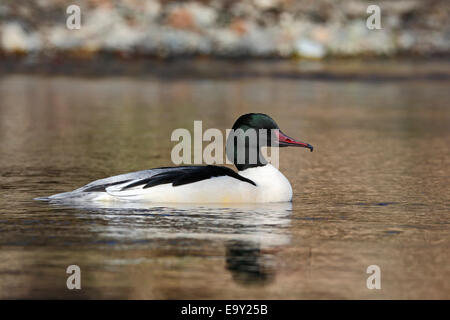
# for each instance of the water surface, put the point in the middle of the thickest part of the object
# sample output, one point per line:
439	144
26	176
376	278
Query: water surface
374	191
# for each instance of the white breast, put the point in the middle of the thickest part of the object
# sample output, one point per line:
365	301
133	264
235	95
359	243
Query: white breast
271	186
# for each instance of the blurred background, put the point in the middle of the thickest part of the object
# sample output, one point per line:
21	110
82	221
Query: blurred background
82	104
255	28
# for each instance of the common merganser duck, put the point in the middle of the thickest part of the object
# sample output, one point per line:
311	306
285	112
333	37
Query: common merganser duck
255	182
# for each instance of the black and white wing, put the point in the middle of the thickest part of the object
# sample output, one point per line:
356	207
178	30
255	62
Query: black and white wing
128	184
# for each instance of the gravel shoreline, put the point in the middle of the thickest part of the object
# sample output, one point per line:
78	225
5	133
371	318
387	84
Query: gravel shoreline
313	29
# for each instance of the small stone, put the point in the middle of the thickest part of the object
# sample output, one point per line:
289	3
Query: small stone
265	4
14	39
310	49
406	40
239	26
181	18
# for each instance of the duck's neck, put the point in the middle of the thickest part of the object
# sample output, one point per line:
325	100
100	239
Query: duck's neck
249	161
245	158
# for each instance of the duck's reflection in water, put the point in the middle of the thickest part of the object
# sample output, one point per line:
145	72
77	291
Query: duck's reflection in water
249	264
251	233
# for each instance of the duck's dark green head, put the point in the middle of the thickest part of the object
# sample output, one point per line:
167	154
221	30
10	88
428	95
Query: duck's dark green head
258	121
267	134
255	121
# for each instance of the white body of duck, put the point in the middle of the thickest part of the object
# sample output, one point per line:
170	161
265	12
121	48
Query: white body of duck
271	186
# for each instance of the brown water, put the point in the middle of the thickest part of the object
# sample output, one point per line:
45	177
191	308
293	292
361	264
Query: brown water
374	192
